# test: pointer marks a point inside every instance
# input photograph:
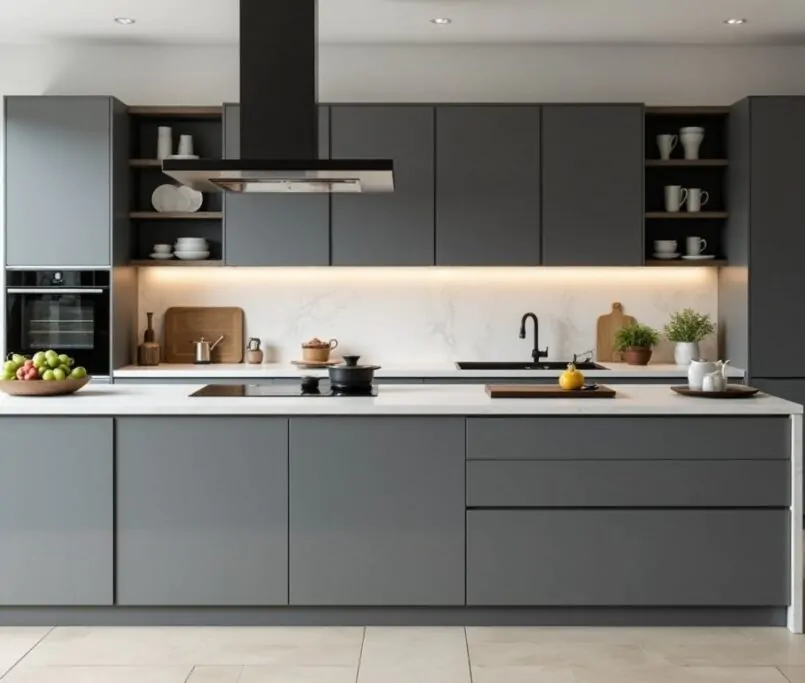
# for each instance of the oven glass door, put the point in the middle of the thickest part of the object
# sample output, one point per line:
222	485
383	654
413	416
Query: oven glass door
73	323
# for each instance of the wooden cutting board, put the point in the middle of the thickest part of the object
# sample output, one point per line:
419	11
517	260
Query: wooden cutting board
184	325
545	391
607	327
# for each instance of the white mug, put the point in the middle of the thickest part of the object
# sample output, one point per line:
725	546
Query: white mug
697	198
695	245
691	139
675	196
185	144
666	144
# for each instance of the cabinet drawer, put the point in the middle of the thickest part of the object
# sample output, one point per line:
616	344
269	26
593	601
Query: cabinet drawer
628	438
624	483
627	558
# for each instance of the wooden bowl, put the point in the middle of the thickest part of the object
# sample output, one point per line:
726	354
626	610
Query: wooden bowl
15	387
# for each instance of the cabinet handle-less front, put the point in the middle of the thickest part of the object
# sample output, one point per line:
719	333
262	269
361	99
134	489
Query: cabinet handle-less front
52	290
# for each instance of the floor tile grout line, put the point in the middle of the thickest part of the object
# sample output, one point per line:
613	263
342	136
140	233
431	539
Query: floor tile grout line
467	646
360	656
27	652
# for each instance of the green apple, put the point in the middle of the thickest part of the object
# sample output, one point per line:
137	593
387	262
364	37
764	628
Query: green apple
53	362
10	366
18	359
48	376
42	369
65	369
78	373
39	359
64	359
59	374
9	374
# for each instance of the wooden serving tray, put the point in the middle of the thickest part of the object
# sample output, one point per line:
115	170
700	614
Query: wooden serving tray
733	391
546	391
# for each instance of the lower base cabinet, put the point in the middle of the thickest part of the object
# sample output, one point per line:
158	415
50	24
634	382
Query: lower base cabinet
202	511
56	511
377	511
627	558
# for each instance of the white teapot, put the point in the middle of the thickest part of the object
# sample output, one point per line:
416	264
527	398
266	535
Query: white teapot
697	370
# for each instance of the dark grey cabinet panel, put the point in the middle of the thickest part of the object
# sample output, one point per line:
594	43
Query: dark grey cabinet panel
61	146
777	237
377	511
56	512
275	229
628	438
487	185
388	229
202	511
592	185
628	483
641	557
789	389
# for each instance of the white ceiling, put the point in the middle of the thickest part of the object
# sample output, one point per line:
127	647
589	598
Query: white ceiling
405	21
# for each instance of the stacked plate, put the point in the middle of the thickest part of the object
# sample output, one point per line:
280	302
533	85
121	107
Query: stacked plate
191	248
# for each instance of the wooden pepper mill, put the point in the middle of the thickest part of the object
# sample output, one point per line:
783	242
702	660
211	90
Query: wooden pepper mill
149	352
254	356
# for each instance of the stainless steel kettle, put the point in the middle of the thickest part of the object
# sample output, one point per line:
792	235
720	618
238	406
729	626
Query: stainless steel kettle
202	350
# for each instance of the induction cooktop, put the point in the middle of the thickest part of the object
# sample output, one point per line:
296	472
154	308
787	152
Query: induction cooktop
307	389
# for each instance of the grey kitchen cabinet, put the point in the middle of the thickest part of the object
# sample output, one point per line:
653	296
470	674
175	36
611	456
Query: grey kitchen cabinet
385	229
641	558
56	511
66	147
275	229
592	185
377	511
487	185
202	511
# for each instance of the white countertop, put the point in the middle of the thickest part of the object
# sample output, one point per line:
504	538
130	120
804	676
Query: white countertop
445	369
160	399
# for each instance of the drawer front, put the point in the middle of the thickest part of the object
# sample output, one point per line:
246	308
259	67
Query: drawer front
624	483
627	558
628	438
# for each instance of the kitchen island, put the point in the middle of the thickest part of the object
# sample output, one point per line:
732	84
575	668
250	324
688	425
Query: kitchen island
424	504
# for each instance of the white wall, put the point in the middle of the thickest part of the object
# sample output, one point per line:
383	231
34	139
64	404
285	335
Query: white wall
441	314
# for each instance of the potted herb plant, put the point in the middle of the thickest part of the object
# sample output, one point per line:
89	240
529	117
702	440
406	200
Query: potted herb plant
686	329
636	342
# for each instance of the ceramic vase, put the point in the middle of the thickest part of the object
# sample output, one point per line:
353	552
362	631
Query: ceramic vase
685	352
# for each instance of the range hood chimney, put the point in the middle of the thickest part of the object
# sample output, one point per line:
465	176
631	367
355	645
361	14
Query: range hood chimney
278	115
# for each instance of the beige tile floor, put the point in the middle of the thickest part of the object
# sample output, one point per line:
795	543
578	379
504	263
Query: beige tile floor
401	655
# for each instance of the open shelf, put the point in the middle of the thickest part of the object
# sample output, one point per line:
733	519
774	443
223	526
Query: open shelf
685	215
683	163
682	263
176	263
178	112
687	111
175	215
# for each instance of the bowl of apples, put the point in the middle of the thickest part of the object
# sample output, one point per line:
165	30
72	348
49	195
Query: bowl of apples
47	373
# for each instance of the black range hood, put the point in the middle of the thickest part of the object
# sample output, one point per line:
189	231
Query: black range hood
278	115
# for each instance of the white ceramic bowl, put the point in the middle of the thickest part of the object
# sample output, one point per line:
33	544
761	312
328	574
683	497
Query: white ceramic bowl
162	248
661	246
196	246
193	255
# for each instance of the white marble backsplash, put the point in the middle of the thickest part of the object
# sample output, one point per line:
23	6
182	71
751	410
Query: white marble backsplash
432	314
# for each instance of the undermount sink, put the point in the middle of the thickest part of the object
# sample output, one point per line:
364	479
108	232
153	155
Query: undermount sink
541	365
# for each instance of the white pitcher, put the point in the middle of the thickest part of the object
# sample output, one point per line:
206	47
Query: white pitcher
696	372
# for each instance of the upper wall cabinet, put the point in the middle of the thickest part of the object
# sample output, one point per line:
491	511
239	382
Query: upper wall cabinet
274	229
387	229
61	173
487	185
592	185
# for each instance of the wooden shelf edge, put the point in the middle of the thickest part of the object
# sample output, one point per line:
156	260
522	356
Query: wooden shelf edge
173	216
178	112
145	163
176	263
687	111
684	163
681	263
685	216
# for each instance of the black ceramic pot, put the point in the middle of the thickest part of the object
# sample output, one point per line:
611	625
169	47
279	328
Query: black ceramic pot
352	376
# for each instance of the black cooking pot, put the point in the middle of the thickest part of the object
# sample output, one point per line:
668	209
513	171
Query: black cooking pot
351	375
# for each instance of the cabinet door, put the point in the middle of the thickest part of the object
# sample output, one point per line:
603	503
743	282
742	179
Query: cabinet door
56	511
58	181
377	511
777	237
275	229
387	229
592	185
202	511
487	186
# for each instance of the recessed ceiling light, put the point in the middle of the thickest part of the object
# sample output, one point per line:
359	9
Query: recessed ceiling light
125	21
734	22
441	21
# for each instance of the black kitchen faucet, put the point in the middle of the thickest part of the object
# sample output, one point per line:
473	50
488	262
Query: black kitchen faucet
536	354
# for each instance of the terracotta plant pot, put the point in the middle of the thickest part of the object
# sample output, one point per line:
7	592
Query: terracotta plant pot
637	355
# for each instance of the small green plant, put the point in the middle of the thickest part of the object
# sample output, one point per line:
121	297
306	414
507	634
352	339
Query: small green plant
688	326
636	335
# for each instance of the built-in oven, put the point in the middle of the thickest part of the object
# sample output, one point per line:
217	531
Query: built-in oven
64	310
